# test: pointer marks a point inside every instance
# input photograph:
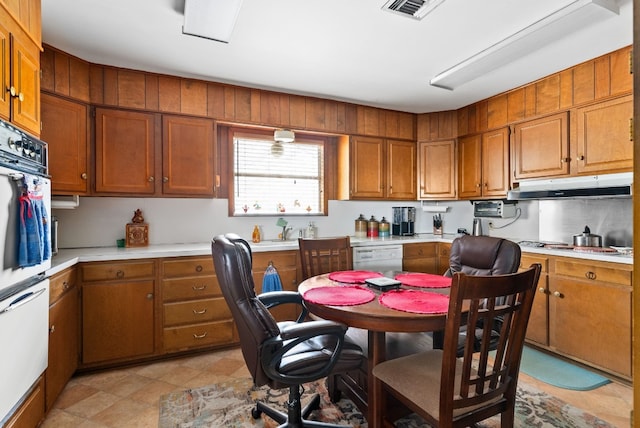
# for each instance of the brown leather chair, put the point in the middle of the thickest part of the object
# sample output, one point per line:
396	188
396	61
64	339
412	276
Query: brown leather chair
324	255
480	255
285	354
448	391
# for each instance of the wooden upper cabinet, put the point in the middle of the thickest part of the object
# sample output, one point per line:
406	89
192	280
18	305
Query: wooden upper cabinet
188	150
125	152
603	137
470	166
401	170
64	128
437	170
495	162
367	168
541	147
20	72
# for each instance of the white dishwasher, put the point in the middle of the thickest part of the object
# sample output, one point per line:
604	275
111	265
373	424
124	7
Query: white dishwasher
378	258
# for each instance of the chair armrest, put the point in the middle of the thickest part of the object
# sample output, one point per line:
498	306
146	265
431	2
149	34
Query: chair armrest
272	299
274	349
313	328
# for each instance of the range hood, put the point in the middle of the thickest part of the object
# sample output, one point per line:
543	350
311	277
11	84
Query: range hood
589	186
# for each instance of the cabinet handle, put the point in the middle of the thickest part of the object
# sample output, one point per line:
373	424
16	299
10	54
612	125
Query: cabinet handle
581	157
83	175
165	179
478	185
565	160
200	336
590	275
631	129
150	296
52	329
542	290
65	285
557	293
198	288
199	268
201	312
14	93
151	179
120	274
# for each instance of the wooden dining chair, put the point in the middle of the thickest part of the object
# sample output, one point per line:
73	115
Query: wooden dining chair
458	392
324	255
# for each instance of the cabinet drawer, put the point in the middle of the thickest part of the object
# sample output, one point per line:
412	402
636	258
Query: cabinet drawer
181	267
194	336
444	250
410	251
196	311
280	259
190	288
60	283
527	260
594	271
117	271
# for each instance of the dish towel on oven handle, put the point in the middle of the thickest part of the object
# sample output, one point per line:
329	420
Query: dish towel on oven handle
34	246
271	280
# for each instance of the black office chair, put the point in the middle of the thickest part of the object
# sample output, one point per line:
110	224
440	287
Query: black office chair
481	255
285	354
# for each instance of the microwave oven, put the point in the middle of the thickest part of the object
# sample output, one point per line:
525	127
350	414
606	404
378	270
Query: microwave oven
494	209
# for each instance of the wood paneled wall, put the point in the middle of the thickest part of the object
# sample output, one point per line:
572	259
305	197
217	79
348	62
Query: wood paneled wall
72	77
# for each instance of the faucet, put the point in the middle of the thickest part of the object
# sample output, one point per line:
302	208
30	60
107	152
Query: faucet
285	232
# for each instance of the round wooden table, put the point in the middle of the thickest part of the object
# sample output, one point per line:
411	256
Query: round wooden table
377	320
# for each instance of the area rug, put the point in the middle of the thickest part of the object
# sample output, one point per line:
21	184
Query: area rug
229	404
557	372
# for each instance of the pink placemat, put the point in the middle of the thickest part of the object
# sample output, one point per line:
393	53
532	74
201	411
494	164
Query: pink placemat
353	276
419	302
347	295
424	280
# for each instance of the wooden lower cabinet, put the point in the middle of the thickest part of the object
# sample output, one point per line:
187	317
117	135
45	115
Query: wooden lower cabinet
194	312
64	331
426	257
286	263
583	311
31	413
444	252
538	328
590	313
118	323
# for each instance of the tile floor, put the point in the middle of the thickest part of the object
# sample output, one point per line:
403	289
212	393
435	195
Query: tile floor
129	397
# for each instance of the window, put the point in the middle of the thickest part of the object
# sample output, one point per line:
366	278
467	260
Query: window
272	178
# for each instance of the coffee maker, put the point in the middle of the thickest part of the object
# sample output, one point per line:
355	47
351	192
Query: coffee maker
404	219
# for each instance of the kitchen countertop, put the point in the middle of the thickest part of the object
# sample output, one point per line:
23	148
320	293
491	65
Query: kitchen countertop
69	257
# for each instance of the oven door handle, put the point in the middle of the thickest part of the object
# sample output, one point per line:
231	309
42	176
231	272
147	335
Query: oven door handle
22	300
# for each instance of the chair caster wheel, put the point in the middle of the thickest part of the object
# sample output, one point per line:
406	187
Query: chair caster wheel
256	413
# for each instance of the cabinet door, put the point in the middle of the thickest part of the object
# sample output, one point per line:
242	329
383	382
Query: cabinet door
420	257
367	168
592	322
5	71
187	156
25	64
437	169
286	264
538	328
495	162
603	137
541	147
469	166
63	344
117	320
401	170
64	128
444	253
125	152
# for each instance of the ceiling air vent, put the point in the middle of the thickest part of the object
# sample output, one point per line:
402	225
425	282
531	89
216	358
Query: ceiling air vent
416	9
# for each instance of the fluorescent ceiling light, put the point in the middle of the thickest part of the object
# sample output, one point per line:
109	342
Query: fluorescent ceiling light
211	19
572	17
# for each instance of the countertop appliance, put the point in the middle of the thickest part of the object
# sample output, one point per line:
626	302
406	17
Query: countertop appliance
404	219
494	209
379	258
24	289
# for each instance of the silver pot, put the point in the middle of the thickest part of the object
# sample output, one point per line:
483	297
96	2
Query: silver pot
587	239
